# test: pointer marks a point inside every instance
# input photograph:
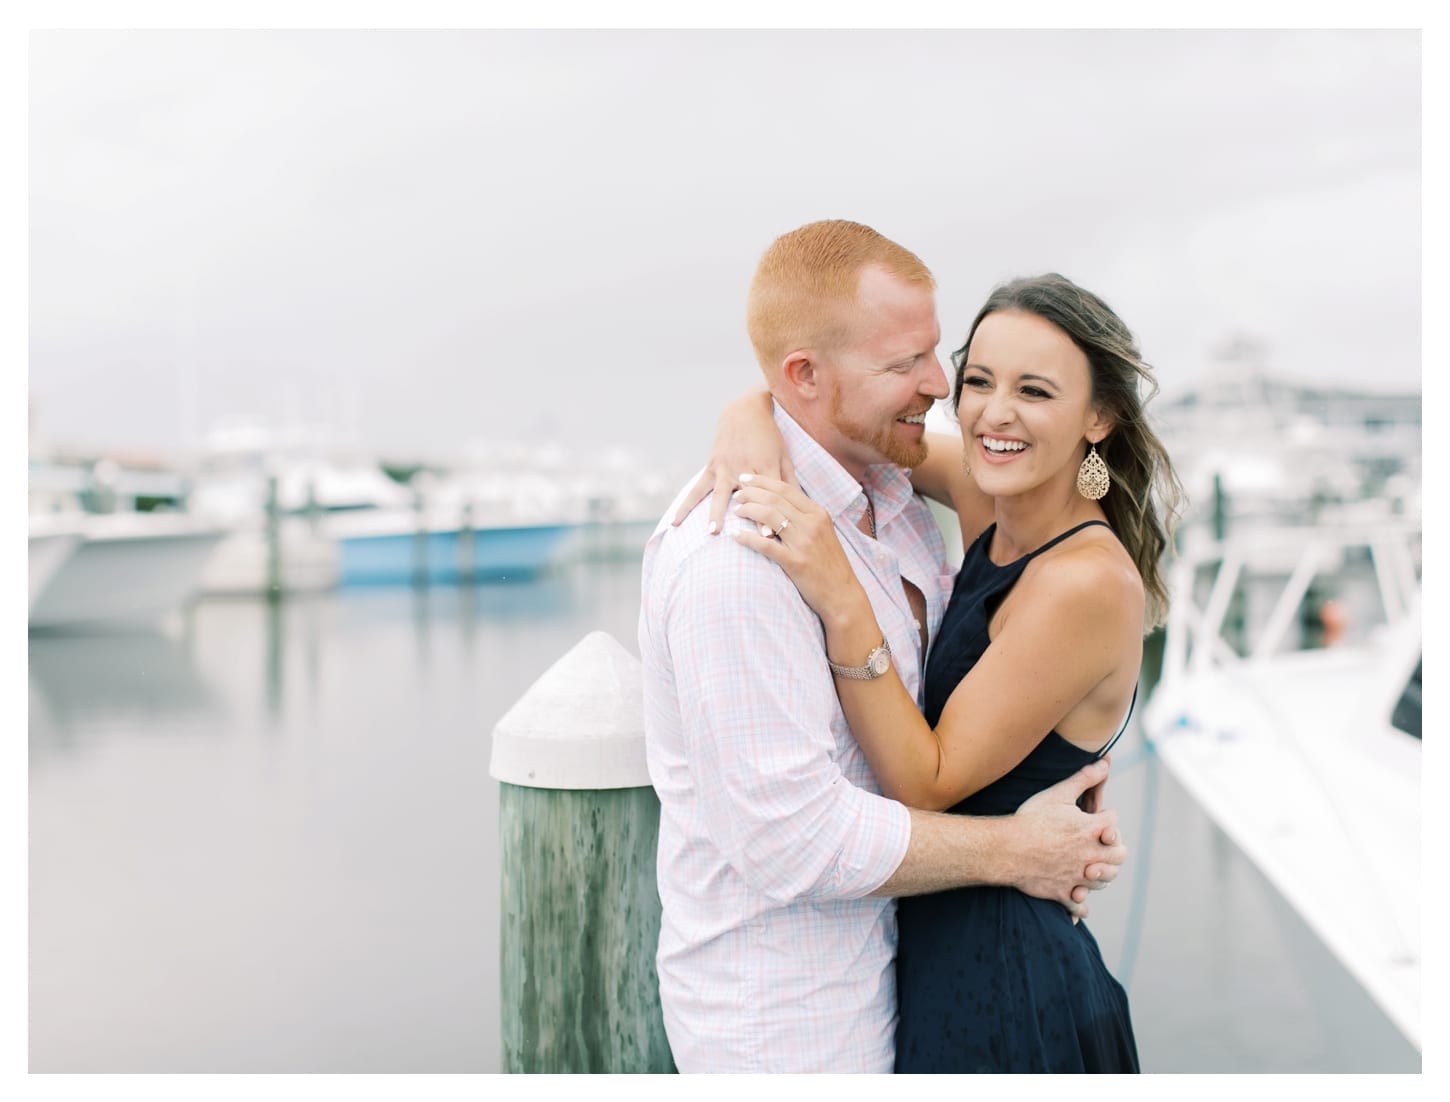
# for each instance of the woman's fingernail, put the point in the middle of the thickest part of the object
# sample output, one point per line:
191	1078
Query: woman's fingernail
765	531
712	528
745	477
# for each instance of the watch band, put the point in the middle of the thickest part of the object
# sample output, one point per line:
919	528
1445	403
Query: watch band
877	663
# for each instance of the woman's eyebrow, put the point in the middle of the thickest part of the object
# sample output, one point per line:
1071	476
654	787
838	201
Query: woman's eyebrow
1041	379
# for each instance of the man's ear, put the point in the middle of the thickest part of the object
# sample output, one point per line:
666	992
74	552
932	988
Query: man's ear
800	374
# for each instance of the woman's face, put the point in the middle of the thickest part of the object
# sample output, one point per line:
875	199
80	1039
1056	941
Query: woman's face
1026	405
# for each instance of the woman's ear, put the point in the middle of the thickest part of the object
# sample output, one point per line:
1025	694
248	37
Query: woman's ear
1099	425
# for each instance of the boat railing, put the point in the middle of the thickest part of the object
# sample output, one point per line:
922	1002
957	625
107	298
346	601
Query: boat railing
1196	635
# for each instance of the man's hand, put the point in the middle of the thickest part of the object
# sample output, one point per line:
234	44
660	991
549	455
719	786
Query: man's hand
1064	851
1091	801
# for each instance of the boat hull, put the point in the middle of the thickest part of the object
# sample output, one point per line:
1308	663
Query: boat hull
241	565
1305	807
48	553
449	556
124	573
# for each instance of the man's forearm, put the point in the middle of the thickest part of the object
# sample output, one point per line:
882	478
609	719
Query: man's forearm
1050	848
954	851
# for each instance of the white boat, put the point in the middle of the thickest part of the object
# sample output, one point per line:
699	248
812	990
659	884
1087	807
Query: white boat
1287	451
1309	759
48	552
124	568
242	565
241	490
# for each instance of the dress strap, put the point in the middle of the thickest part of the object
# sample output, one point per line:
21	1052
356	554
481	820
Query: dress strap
1127	717
1070	532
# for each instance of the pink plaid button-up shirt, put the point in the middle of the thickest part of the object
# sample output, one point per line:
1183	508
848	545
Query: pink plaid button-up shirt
773	956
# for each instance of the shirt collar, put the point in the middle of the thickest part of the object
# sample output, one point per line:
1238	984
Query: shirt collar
829	484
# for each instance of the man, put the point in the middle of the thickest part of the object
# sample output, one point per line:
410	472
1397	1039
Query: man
778	857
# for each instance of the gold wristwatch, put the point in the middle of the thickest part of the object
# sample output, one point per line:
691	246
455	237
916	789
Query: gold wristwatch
877	663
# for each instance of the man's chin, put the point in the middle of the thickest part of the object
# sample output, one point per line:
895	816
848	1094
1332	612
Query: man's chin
905	455
888	445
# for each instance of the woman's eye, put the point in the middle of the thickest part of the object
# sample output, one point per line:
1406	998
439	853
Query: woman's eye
1034	392
976	382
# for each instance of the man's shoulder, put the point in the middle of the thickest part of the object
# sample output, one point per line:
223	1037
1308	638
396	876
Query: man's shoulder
713	560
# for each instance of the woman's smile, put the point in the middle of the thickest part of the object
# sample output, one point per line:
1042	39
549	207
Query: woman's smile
1000	449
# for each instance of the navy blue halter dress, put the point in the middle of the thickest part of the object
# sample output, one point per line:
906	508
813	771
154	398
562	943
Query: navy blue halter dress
989	979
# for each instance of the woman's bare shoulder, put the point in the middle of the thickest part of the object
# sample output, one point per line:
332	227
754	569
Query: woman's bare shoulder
1092	571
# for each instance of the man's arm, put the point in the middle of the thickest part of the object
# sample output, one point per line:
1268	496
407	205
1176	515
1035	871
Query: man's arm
1050	848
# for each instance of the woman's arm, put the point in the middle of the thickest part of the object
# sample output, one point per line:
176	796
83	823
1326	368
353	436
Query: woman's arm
746	439
943	477
943	465
1049	654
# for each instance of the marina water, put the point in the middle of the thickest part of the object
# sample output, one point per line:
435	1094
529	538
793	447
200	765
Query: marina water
265	839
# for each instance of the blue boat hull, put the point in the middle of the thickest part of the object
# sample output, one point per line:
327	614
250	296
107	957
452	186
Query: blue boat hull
449	557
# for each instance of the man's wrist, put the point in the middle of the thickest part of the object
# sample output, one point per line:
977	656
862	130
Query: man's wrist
1000	851
989	849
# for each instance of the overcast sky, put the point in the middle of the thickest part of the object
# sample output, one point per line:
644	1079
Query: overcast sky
435	237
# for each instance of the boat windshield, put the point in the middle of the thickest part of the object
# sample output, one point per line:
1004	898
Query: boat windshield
1406	715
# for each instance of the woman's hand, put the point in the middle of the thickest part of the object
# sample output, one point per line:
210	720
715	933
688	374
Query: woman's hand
746	440
799	535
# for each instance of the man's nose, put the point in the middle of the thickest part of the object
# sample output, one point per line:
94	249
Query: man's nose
935	384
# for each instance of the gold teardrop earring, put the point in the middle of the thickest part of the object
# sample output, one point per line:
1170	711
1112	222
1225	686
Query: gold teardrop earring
1092	476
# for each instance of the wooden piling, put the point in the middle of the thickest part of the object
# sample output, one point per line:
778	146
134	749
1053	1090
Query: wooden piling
274	538
1220	508
580	910
466	558
421	534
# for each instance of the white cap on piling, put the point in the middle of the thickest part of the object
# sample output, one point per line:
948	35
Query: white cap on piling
580	725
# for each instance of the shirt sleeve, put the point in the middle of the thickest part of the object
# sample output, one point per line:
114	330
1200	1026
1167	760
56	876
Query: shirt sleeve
756	704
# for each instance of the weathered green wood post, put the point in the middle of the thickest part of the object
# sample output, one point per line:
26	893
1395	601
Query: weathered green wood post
466	557
580	910
274	538
420	531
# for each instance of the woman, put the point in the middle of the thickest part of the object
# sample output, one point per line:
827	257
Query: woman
1033	672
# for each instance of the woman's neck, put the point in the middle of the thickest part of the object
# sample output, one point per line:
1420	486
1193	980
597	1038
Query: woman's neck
1026	521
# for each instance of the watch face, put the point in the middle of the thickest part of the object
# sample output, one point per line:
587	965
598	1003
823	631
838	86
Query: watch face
880	661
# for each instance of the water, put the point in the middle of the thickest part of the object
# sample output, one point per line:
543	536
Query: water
266	840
